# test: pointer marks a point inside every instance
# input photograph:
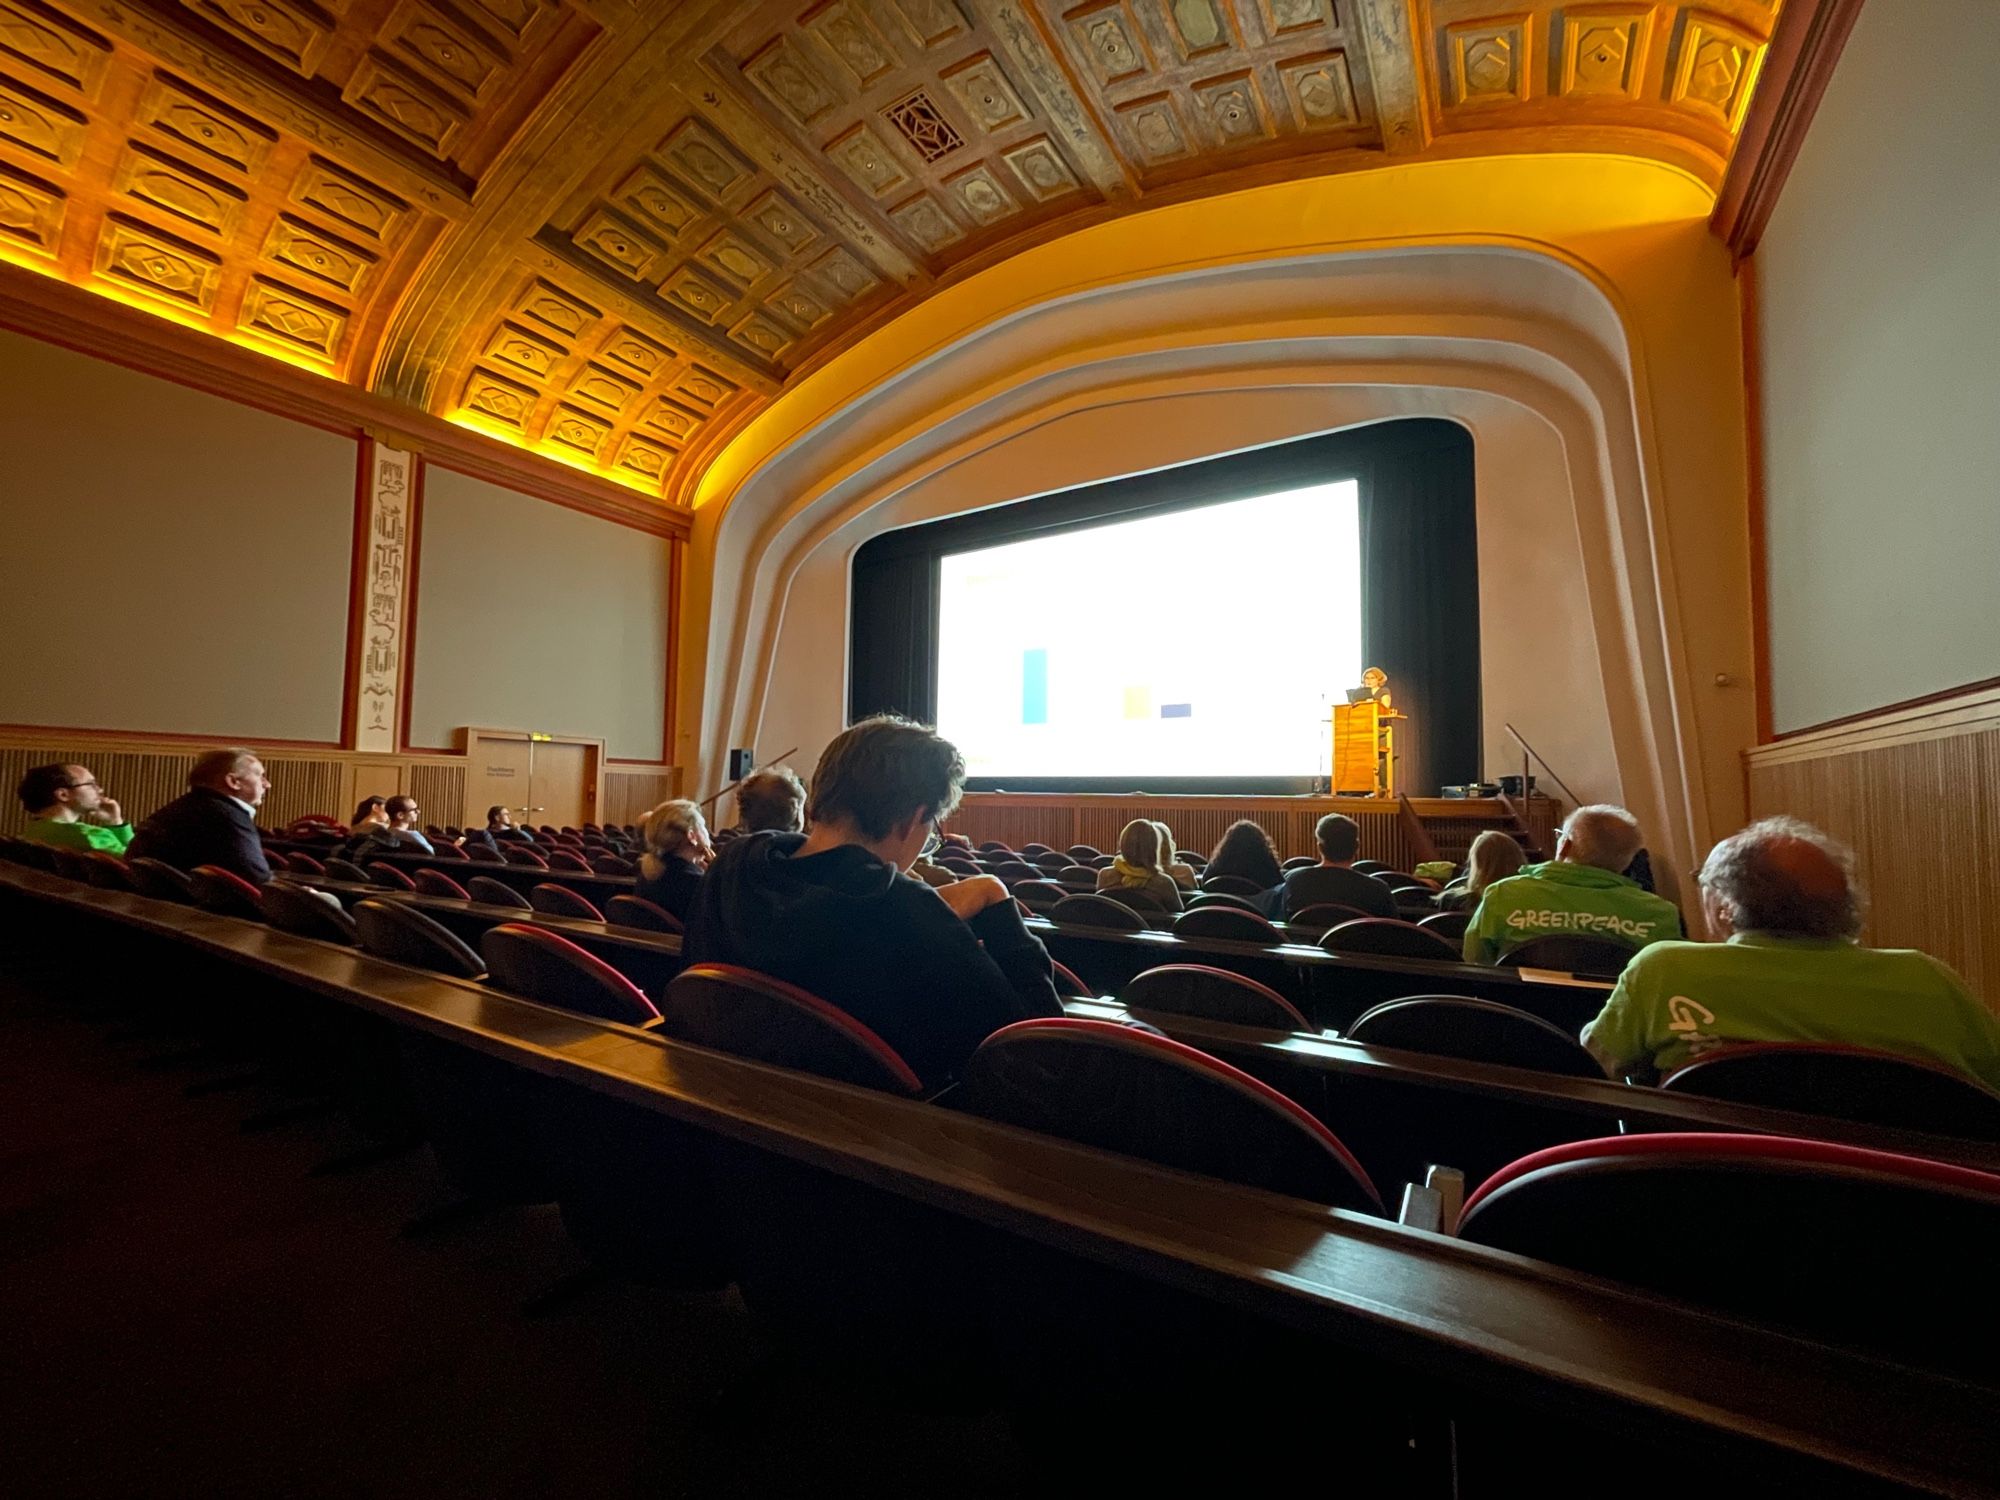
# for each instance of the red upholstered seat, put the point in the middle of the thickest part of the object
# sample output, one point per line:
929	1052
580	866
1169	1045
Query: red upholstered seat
1570	955
225	892
1869	1249
1095	911
561	901
569	859
1314	922
296	909
445	849
521	854
484	854
748	1014
1067	984
1850	1083
437	883
1388	938
108	873
484	888
638	912
541	965
1475	1029
1227	922
386	875
159	880
1121	1089
305	864
1213	995
396	930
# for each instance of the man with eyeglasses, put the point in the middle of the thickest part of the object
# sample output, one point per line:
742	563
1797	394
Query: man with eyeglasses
68	809
834	910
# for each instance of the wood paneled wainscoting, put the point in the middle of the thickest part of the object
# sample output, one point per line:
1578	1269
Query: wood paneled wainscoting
1916	792
145	772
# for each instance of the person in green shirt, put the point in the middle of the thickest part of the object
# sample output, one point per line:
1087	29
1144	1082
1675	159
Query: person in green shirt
1579	893
67	808
1791	971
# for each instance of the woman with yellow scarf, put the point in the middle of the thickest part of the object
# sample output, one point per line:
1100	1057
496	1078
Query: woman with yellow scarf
1137	866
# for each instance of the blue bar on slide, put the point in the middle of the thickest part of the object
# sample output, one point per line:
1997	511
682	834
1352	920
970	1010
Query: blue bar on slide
1035	686
1177	710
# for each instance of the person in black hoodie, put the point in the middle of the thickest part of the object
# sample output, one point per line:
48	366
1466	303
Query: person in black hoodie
932	972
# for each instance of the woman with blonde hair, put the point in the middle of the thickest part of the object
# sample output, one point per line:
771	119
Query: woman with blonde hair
1137	866
677	851
1181	873
1493	856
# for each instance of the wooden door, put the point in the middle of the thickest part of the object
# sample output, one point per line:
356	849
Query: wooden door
564	784
496	771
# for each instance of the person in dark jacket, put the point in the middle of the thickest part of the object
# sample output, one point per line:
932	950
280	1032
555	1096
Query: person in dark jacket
1333	879
214	822
932	972
677	851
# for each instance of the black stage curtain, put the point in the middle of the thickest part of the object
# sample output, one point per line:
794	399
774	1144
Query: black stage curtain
1419	587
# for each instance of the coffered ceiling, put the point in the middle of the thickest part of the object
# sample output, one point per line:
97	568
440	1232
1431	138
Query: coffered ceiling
610	231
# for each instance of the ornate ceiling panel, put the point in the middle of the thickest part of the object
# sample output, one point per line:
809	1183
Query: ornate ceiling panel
611	230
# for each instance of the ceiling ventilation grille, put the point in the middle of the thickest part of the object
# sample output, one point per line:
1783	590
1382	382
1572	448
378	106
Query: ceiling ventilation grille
924	126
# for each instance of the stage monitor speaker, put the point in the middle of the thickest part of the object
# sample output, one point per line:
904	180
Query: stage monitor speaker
741	763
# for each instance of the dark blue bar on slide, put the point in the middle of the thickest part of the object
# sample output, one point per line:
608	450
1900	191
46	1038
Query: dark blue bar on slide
1035	686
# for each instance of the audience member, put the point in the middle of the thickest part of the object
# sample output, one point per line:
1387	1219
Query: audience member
1579	893
215	821
403	823
1493	856
1334	878
772	799
370	817
1179	871
677	851
1245	851
1139	867
68	809
931	972
1792	970
500	825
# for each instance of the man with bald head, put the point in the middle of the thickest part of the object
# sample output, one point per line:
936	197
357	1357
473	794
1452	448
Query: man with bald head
1582	892
215	821
1791	971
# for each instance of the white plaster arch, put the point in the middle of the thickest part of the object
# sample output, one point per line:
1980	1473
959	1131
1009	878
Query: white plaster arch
1495	334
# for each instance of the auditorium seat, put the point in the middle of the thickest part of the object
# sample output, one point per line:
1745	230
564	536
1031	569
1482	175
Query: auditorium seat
1314	922
348	870
520	854
1013	870
1570	955
484	854
1473	1029
1096	911
159	880
1083	853
1847	1083
386	875
1415	901
1051	862
35	856
1103	861
108	873
1396	880
225	893
570	860
1298	862
437	883
1038	895
747	1014
445	849
612	864
71	864
1388	938
639	913
490	892
305	864
961	865
1201	899
393	930
537	964
279	862
561	901
1077	878
1232	885
1369	866
305	913
1143	902
1173	1105
1865	1249
994	846
1449	925
1067	984
1035	851
1227	922
1213	995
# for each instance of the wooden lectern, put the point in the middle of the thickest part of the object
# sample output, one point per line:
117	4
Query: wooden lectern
1364	749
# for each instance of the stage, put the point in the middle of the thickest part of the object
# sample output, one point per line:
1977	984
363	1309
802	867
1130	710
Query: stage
1399	831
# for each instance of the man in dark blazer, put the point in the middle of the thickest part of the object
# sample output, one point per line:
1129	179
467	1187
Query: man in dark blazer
1332	879
214	822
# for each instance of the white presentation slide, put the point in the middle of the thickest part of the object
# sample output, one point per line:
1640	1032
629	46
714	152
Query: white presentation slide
1206	642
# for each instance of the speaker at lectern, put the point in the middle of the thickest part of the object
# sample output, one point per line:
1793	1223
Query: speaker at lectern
1364	739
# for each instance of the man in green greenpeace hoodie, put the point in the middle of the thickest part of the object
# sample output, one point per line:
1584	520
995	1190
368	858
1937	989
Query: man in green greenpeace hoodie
1579	893
67	808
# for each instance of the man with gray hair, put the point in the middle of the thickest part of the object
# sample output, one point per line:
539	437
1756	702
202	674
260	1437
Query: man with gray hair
1582	892
1791	971
215	821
